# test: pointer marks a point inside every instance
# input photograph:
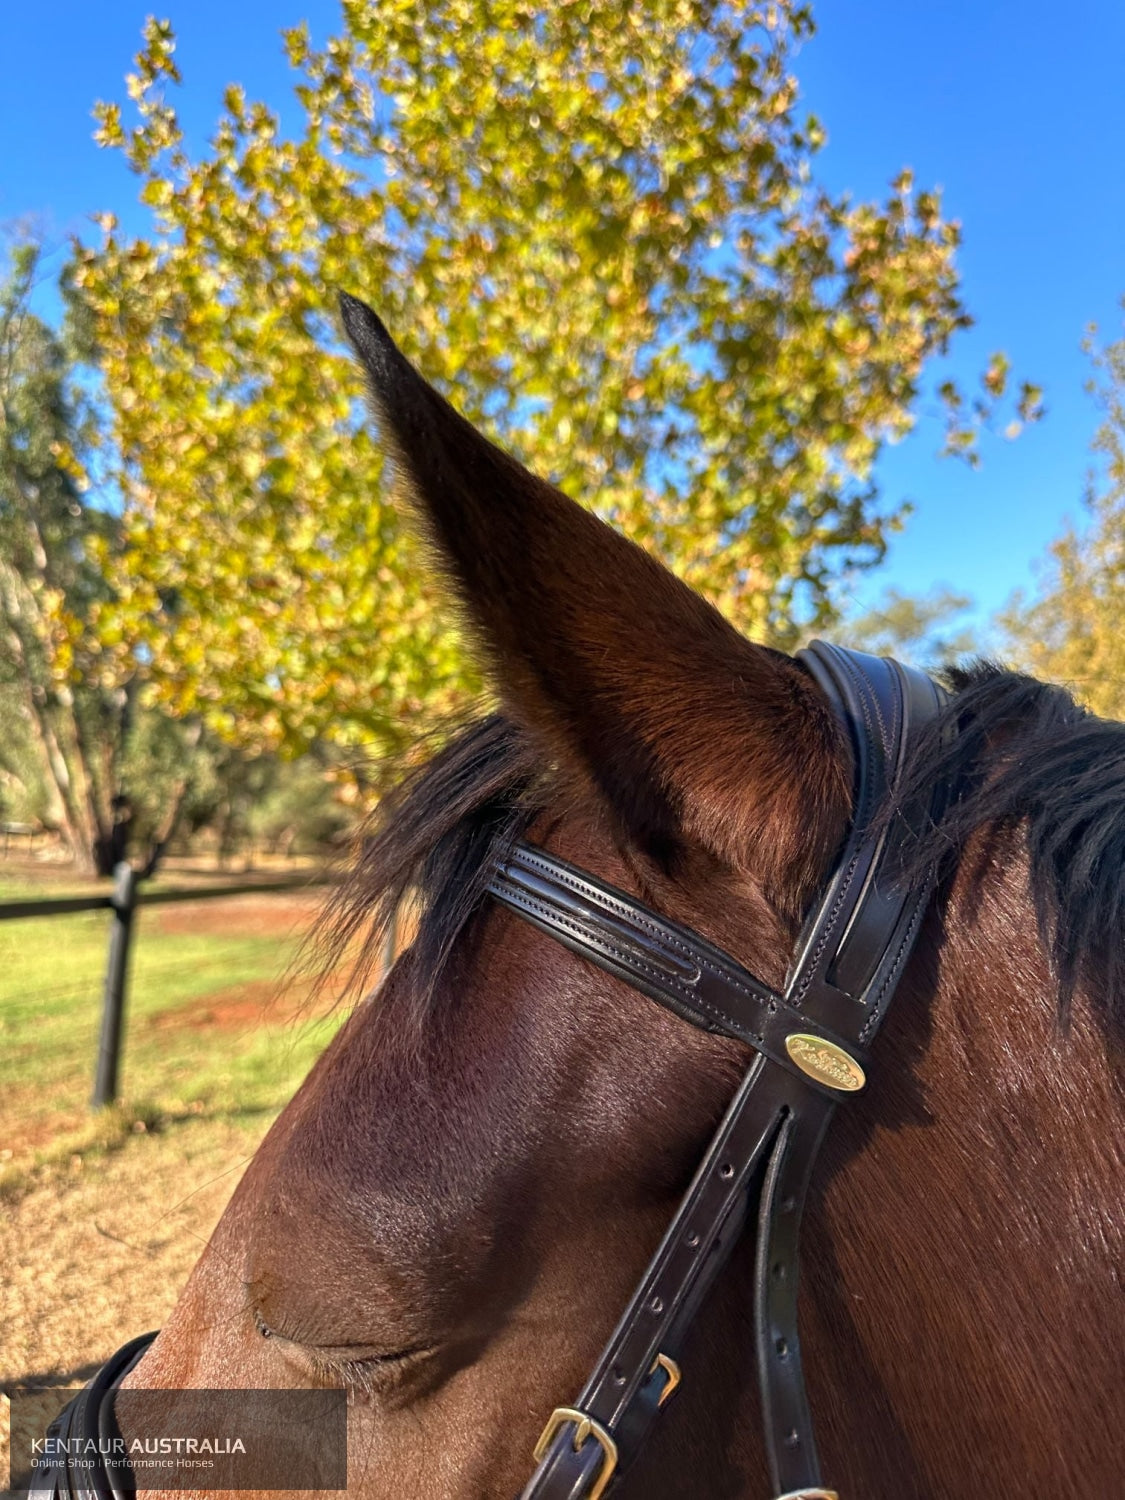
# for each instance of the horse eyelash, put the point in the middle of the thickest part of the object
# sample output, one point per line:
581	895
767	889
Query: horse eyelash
359	1377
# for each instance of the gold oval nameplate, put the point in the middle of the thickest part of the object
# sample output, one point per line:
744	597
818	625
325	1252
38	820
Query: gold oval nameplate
824	1061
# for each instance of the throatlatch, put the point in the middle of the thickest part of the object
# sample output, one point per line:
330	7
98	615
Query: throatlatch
810	1046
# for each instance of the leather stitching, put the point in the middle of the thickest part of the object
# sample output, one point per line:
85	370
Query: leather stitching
659	930
812	967
875	700
691	998
891	977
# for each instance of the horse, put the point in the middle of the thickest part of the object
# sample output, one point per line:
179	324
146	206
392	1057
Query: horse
448	1218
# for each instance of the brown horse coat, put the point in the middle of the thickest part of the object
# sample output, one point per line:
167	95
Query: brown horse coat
452	1212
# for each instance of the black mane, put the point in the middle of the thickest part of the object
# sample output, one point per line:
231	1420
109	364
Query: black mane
432	844
1026	757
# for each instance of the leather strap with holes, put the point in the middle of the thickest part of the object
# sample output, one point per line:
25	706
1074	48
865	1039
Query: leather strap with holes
810	1051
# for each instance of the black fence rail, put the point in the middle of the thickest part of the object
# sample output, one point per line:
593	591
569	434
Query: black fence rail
126	897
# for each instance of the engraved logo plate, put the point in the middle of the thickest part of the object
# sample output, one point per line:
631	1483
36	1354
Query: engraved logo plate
824	1061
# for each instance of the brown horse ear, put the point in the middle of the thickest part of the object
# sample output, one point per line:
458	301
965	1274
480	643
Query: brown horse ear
690	731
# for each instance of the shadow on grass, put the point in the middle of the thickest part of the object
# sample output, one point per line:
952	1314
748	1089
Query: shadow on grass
110	1131
54	1379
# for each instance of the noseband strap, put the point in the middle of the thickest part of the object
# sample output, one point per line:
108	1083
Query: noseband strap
809	1044
86	1425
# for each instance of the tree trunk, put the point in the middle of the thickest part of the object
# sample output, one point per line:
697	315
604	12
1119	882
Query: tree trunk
74	814
171	818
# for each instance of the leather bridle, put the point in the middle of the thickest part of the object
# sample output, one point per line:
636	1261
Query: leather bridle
87	1425
810	1044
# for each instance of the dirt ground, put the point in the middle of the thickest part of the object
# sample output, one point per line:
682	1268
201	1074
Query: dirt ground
97	1248
99	1254
286	915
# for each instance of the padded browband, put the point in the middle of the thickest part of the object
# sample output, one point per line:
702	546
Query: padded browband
808	1047
667	962
809	1043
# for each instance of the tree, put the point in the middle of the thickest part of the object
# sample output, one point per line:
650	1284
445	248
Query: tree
76	748
60	738
1073	629
597	229
918	628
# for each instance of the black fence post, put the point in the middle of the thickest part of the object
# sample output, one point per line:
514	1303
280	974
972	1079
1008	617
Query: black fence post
116	978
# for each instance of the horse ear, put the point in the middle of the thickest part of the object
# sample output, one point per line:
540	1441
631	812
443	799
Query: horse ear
690	731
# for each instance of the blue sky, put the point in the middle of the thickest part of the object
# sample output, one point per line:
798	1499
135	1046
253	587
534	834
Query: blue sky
1014	108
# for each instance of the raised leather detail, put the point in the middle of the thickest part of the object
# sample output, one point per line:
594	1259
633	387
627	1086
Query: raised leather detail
847	963
669	963
849	959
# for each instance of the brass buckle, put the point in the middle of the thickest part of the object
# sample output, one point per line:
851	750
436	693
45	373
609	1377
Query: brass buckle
584	1427
672	1370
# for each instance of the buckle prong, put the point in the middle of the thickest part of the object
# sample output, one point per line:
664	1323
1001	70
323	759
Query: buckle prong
666	1363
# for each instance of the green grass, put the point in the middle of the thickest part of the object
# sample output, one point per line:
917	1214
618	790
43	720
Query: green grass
20	887
176	1065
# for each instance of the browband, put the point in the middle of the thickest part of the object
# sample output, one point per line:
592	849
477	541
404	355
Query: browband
810	1044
